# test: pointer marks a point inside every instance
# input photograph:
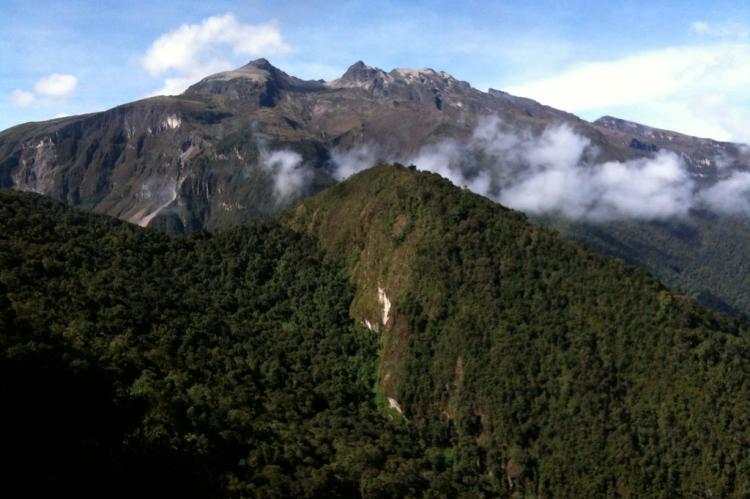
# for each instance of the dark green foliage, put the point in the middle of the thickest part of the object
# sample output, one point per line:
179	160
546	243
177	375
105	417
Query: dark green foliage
228	364
587	376
703	255
564	373
137	364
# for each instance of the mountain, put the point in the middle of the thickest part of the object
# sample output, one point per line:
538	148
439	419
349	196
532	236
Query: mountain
196	160
244	145
500	360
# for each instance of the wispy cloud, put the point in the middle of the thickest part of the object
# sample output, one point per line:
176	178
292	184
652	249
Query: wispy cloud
559	172
56	85
731	30
193	51
289	172
22	98
729	196
348	162
680	85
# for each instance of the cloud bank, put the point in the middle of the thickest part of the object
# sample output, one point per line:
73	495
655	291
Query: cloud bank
557	172
730	196
193	51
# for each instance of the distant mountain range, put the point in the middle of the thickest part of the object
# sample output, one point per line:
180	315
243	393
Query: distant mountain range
245	144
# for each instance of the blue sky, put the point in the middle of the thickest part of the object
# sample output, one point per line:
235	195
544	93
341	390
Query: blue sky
683	65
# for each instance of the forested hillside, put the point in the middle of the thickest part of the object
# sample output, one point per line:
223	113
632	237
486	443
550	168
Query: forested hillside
576	375
703	255
134	364
503	361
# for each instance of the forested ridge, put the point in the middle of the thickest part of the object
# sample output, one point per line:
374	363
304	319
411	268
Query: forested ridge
234	364
133	363
565	373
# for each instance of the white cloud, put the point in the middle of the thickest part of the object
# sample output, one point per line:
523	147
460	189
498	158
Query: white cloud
700	27
730	195
177	84
452	159
290	174
558	172
22	98
730	118
56	85
349	162
665	83
731	30
648	188
194	51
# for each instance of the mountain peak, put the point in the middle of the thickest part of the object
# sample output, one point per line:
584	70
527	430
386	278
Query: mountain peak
261	63
359	65
360	72
256	78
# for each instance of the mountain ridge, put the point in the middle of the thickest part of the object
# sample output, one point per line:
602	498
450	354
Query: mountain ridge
215	156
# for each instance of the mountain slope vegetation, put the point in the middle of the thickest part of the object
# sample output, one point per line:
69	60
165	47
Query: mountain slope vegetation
506	362
560	364
136	364
702	255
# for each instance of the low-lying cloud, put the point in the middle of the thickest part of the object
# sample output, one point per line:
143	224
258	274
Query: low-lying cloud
351	161
288	170
658	187
558	172
730	196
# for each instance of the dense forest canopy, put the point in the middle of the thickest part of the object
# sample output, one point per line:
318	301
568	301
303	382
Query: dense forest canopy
235	364
703	254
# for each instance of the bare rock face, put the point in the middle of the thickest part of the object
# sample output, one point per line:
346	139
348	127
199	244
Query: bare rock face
257	82
359	72
37	166
705	157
